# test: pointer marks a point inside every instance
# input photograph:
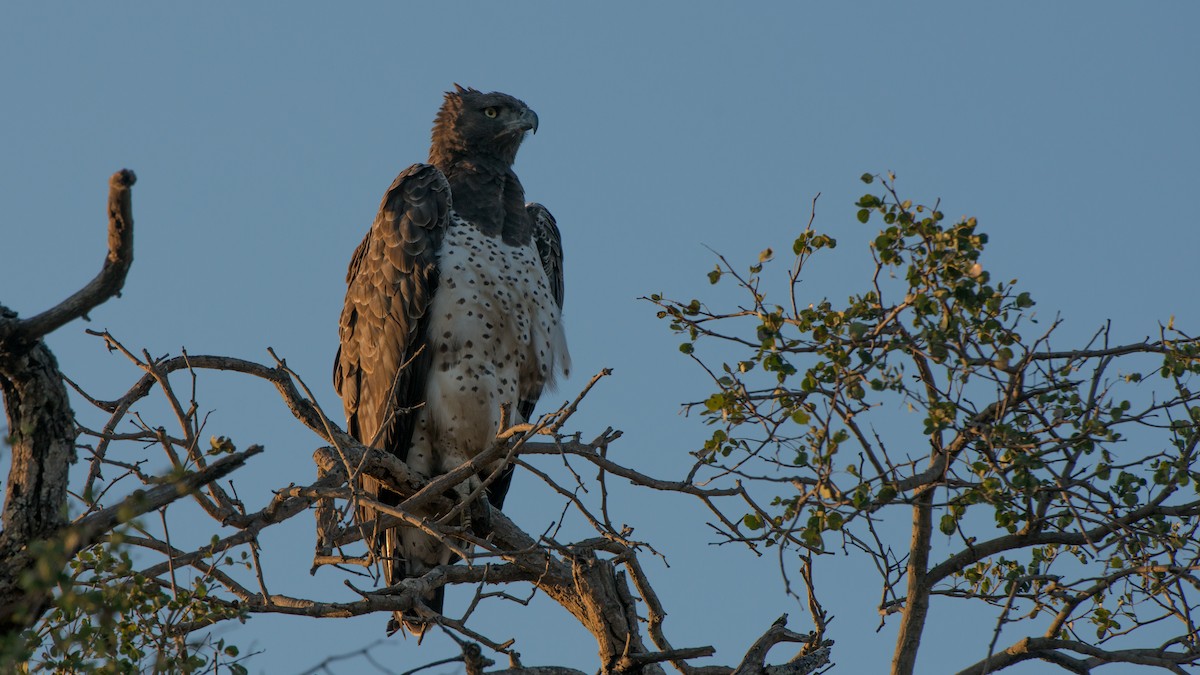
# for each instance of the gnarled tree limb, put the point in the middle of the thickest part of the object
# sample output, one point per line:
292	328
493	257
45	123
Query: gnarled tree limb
112	274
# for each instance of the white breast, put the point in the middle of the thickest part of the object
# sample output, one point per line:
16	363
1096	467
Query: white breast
496	336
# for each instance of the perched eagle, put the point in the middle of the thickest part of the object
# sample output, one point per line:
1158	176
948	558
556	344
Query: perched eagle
452	312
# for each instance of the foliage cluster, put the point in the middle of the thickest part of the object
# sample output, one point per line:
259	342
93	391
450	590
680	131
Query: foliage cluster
106	617
1063	482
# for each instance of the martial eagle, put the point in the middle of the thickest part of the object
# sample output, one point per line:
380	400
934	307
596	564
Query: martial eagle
453	313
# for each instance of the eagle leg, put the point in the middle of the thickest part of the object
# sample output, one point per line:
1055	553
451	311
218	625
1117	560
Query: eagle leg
479	515
473	519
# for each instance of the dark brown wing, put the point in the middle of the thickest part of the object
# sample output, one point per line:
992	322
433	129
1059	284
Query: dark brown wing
549	246
382	363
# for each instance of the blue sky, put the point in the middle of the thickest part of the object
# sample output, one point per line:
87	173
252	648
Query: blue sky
263	138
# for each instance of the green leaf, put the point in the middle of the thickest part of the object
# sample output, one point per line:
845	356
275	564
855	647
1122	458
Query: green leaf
687	348
867	178
752	521
948	524
800	417
809	383
864	215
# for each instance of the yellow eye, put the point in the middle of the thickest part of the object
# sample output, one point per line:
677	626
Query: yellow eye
491	111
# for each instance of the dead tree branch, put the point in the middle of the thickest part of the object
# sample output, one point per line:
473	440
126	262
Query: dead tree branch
40	418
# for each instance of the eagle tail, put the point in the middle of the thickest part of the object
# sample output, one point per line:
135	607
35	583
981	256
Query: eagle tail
412	623
411	553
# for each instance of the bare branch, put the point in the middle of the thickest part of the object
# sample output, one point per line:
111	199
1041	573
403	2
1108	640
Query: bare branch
1052	650
88	530
754	662
112	274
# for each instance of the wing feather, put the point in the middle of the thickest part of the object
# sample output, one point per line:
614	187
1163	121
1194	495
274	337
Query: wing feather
382	361
549	246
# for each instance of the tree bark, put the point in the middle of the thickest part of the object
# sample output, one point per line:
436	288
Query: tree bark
916	605
42	434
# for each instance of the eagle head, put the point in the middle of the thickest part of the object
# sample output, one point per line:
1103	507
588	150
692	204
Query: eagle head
478	126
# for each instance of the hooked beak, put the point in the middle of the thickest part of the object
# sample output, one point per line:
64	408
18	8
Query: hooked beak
528	121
